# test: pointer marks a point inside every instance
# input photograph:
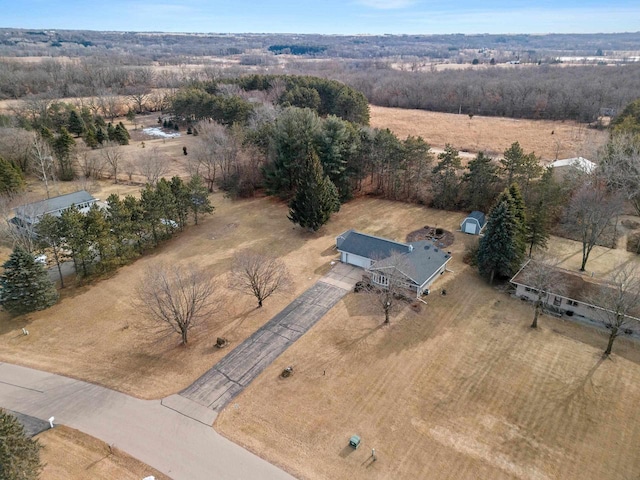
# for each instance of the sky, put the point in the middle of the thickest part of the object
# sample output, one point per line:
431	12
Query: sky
327	16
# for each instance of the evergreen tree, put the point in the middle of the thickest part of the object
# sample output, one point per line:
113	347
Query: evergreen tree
19	454
512	162
111	132
182	200
49	231
91	137
480	183
445	179
98	234
63	146
120	134
293	140
498	249
11	181
315	199
334	145
101	136
200	203
25	284
76	124
537	229
76	236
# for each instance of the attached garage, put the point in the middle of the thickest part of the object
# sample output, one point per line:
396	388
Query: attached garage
474	223
353	259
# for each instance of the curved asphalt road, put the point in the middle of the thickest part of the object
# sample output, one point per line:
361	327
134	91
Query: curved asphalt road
174	435
175	444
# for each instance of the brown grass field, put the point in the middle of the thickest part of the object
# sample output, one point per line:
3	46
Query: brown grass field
491	134
462	389
68	453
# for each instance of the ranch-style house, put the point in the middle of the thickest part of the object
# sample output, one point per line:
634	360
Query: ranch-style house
423	261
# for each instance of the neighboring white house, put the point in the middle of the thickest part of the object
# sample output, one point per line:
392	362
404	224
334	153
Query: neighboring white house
423	261
576	299
31	213
562	167
474	223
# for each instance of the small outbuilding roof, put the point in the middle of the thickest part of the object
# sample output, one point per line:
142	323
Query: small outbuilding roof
55	204
479	216
368	246
587	166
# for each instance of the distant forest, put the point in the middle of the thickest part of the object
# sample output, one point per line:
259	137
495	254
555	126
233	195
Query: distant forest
390	70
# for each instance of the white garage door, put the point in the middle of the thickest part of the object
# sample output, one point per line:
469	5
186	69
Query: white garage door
470	227
356	260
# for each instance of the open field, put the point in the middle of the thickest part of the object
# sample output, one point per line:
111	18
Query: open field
96	332
68	453
491	134
462	390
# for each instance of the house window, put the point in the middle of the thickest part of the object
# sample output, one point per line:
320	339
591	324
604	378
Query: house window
572	303
557	301
380	279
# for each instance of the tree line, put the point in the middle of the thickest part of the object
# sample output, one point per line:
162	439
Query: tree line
99	240
578	93
217	100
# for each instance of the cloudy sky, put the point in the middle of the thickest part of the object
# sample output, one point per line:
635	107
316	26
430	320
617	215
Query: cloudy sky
327	16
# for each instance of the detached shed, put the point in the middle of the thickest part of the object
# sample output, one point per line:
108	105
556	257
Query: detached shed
474	223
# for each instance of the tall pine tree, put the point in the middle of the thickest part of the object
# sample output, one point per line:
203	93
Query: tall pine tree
316	197
19	454
25	284
498	254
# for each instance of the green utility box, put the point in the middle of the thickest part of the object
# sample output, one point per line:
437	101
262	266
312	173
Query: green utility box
354	441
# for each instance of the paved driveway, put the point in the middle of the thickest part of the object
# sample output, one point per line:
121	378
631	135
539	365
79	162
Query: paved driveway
235	371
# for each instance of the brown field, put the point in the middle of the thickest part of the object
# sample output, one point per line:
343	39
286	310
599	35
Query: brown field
68	453
491	134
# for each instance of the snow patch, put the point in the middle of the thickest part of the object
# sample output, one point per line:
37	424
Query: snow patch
158	132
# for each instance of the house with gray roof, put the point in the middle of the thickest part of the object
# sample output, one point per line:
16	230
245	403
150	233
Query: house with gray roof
422	262
31	213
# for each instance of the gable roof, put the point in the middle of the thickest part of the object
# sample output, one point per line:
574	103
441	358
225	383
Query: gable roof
54	204
368	246
578	287
580	163
479	216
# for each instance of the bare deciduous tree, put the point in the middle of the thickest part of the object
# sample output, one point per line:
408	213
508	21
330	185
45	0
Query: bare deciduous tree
621	167
542	276
15	146
590	213
92	164
389	283
258	274
177	297
112	155
16	232
618	300
153	165
43	166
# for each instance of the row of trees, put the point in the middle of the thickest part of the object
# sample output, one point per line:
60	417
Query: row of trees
576	93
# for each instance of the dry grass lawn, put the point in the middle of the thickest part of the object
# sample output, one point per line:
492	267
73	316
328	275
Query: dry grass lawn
462	390
491	134
68	454
97	333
